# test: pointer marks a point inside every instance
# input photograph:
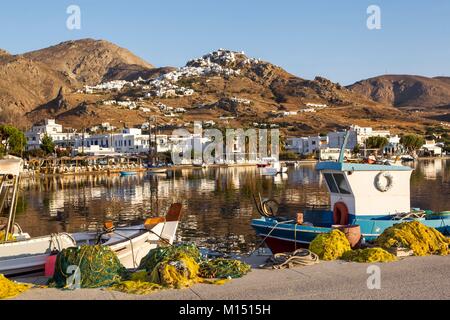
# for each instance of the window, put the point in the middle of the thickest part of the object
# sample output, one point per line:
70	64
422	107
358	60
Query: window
330	182
342	184
337	183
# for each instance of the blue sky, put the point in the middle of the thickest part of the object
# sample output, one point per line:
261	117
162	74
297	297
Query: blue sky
307	38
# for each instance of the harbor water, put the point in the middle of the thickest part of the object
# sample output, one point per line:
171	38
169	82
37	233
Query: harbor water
217	202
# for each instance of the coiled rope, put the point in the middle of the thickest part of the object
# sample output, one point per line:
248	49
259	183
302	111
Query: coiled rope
300	257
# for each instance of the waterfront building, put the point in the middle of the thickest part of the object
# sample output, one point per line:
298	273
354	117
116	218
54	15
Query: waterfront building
129	141
335	140
394	146
50	128
307	145
430	148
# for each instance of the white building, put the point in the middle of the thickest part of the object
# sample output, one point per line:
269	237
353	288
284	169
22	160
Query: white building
129	141
316	105
94	150
358	136
335	140
53	130
394	146
430	148
306	145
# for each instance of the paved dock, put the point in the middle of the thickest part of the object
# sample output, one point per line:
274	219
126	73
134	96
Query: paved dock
411	278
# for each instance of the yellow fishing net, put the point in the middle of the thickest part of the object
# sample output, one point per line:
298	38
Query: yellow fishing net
10	289
416	236
10	237
178	272
179	267
330	246
136	287
369	255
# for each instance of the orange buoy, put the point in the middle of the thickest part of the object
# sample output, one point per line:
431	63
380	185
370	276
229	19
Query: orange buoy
340	214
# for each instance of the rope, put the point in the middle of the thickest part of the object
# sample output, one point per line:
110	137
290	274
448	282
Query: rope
301	257
413	215
268	235
132	248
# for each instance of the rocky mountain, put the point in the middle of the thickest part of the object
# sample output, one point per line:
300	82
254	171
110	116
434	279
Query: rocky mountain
87	82
226	88
88	61
32	79
25	84
405	91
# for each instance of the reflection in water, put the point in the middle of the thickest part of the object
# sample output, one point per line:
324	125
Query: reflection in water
217	202
430	185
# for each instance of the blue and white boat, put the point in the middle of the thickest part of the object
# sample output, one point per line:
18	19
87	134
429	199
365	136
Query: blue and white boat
128	173
375	197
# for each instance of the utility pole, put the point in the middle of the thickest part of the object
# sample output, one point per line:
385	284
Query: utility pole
153	145
82	141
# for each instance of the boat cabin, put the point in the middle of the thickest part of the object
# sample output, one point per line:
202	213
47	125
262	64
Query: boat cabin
365	190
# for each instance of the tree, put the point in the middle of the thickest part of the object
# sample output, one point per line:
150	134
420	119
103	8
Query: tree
412	142
12	140
47	145
376	142
356	149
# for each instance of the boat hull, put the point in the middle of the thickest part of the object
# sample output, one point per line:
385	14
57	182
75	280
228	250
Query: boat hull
284	236
30	256
130	245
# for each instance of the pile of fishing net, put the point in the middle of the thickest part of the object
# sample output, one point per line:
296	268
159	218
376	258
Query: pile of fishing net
10	289
10	237
335	245
97	266
164	267
368	255
179	267
330	246
422	240
172	267
223	269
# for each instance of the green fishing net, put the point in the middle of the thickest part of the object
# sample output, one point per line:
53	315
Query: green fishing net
223	268
98	267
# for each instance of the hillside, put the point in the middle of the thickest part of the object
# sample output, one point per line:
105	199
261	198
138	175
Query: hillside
229	89
24	84
32	79
406	90
88	61
87	82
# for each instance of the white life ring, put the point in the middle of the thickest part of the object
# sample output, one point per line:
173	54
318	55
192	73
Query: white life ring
390	181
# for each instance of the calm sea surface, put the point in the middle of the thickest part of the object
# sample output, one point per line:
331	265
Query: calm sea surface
217	203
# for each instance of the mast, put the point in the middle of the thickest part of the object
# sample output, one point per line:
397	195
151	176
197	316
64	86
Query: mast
342	153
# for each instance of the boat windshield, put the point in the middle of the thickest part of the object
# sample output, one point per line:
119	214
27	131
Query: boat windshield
331	183
337	183
342	183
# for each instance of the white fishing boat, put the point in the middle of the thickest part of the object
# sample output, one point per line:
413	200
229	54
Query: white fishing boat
133	243
26	255
407	158
273	169
200	165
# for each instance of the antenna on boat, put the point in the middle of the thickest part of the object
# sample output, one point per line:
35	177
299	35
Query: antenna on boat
344	145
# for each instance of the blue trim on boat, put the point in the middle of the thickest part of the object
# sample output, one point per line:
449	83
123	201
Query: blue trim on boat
338	166
128	173
371	227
